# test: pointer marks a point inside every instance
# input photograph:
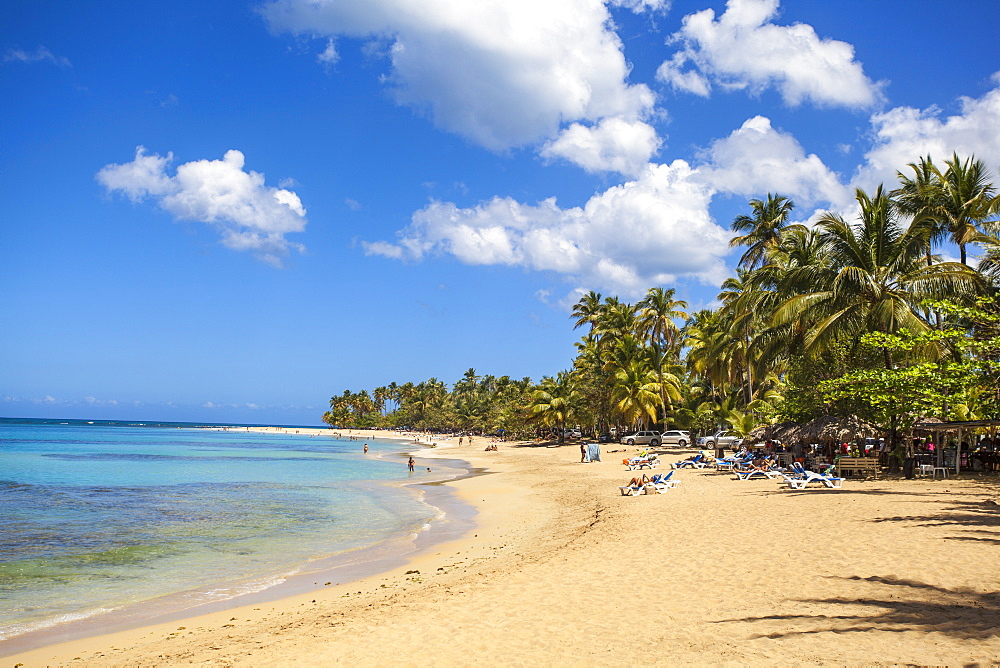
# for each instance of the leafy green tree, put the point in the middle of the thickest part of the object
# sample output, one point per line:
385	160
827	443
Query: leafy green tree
970	376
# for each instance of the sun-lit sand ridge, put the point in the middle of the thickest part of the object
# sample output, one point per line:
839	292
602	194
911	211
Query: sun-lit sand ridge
563	570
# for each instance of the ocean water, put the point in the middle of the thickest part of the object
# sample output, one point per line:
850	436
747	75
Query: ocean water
100	517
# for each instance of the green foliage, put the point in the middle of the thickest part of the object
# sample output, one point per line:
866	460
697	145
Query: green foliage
803	398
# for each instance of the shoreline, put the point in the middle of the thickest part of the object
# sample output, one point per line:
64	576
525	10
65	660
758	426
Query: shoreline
456	518
560	568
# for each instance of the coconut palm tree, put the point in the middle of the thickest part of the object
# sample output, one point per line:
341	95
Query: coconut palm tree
874	279
968	200
636	392
657	313
762	228
555	401
587	310
954	203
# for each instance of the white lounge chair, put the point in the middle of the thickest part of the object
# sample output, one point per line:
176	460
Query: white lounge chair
804	477
661	483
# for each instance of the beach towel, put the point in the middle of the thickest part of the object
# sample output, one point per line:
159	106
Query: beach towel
594	452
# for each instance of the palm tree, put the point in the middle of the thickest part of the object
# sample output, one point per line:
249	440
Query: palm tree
379	396
762	228
554	401
969	199
709	350
874	280
740	314
465	389
657	312
920	197
587	310
636	392
954	203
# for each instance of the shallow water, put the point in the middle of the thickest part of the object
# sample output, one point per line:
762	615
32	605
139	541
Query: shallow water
100	517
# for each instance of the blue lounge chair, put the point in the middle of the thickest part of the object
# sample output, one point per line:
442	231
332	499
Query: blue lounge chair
695	463
660	483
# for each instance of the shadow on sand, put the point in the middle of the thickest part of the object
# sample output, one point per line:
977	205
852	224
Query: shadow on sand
980	518
905	605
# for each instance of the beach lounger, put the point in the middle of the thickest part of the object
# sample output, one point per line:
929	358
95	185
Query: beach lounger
730	463
804	477
632	490
756	473
661	483
642	462
695	463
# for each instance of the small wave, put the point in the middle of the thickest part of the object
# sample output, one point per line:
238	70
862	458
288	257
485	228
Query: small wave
242	589
7	632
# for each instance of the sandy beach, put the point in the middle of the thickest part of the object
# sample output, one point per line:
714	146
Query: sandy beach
562	569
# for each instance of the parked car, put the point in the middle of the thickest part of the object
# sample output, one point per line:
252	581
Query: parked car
675	437
642	438
723	439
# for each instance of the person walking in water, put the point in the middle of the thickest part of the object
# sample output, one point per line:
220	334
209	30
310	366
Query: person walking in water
366	448
411	463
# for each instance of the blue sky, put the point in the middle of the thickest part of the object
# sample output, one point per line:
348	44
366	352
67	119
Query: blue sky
230	211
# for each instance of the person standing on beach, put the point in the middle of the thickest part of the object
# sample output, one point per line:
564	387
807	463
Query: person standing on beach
583	452
411	463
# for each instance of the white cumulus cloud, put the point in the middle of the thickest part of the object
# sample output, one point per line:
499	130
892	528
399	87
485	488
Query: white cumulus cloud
502	73
756	159
247	214
903	135
653	230
613	145
743	49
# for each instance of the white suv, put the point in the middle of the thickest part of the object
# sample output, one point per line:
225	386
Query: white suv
642	438
676	437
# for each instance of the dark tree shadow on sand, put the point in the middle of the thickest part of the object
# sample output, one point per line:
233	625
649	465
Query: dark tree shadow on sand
981	520
906	605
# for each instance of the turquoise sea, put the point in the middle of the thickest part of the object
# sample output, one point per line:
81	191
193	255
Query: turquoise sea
110	521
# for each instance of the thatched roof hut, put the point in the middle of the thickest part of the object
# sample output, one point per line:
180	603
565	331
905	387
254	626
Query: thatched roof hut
831	428
783	431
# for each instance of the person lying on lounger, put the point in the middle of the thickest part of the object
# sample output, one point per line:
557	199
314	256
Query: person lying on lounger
639	482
